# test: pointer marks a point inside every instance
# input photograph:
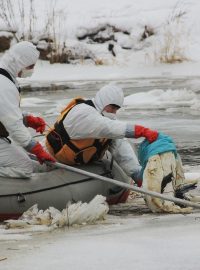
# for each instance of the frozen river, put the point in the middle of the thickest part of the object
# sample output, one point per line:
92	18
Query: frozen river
138	239
175	117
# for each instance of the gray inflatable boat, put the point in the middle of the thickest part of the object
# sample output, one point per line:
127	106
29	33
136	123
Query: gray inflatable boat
58	187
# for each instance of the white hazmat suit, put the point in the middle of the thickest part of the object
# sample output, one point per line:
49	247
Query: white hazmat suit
85	121
14	161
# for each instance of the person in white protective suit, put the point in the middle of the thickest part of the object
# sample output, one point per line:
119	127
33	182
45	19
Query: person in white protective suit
87	128
15	138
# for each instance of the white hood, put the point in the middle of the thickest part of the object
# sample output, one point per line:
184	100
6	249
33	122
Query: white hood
19	56
109	94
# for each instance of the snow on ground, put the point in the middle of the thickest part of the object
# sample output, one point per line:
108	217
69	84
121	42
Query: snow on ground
176	25
170	100
135	242
122	71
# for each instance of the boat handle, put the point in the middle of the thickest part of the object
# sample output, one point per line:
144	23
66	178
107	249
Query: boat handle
21	198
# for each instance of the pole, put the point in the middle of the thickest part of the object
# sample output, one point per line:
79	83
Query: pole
124	185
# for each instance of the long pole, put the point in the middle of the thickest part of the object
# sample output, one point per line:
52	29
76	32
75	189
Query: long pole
125	185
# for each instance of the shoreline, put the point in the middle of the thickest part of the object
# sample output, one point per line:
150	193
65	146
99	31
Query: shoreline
172	82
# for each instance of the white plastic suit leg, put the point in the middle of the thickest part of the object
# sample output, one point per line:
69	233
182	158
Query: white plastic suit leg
157	168
14	161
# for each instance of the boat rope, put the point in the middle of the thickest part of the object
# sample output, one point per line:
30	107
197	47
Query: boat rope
21	194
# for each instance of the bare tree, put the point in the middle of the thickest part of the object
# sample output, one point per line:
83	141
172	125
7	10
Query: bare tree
22	18
7	13
32	19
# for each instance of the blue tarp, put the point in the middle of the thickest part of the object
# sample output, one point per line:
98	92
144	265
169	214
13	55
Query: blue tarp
163	144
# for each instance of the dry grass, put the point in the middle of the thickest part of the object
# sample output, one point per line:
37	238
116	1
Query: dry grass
171	48
99	62
171	51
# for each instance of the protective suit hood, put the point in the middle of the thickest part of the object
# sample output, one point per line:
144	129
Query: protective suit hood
109	94
18	57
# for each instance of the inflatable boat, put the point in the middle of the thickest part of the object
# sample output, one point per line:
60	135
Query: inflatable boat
58	187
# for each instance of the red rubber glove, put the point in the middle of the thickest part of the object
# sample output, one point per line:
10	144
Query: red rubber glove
150	135
41	154
36	123
139	183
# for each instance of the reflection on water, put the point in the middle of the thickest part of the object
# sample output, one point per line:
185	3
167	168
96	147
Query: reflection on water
190	156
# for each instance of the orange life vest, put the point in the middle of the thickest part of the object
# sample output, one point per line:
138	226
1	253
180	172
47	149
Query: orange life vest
71	151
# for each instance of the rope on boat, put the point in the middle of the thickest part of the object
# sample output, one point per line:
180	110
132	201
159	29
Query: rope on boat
21	194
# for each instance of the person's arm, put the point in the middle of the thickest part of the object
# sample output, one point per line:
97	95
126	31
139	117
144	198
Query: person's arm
11	114
12	118
34	122
84	121
137	131
125	156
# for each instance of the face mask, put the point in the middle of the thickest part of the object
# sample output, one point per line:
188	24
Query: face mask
111	116
26	73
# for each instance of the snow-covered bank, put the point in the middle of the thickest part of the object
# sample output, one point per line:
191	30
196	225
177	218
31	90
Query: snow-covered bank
176	31
62	76
45	72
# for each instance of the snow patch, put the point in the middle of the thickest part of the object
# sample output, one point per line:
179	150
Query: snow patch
161	99
34	220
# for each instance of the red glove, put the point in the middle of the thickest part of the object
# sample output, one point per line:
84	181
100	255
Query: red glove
41	154
35	122
150	135
139	183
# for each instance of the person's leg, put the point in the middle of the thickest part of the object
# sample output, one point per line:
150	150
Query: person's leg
14	161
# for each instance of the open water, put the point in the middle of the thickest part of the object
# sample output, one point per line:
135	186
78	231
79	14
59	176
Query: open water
182	123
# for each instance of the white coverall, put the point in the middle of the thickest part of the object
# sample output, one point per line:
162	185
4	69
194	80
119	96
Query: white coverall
14	161
85	121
